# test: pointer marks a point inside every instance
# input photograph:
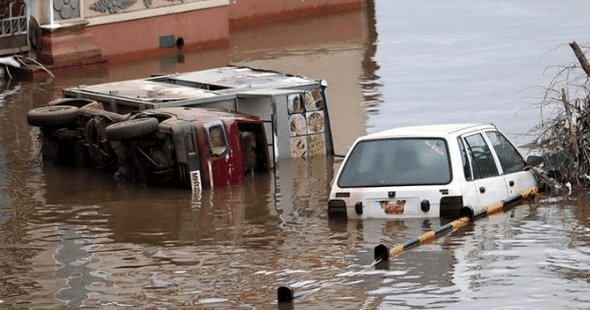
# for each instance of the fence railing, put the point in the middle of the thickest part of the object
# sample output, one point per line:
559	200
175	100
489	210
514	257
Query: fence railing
13	18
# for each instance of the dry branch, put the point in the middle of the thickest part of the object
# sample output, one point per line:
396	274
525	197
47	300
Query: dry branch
581	57
571	124
564	139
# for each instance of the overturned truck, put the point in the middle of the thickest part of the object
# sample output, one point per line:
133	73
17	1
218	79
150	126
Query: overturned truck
194	130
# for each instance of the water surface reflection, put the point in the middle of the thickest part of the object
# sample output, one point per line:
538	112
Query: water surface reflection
78	238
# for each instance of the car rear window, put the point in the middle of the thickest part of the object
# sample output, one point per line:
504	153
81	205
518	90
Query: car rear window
395	162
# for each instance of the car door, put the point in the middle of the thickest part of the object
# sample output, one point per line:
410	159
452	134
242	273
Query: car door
486	181
512	164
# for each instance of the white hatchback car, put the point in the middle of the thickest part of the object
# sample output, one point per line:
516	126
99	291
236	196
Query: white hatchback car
428	171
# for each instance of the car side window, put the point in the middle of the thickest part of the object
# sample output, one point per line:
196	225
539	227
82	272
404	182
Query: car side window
510	160
466	167
482	161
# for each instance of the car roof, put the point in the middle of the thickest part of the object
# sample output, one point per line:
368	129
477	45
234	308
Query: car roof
439	130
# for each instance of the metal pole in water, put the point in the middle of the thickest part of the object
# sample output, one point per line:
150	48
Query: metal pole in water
286	294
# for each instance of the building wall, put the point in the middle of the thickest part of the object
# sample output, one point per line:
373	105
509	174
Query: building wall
202	28
86	35
249	12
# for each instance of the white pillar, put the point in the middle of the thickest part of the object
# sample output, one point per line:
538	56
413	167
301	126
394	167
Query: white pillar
51	14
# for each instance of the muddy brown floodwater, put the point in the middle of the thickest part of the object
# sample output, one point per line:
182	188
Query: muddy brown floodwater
76	238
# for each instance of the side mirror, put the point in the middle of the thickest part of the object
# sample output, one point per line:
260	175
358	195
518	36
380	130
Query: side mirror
534	160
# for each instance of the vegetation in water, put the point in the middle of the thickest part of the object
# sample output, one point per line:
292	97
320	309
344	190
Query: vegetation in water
564	137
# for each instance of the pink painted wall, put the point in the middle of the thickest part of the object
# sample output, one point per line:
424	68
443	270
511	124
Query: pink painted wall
249	12
202	28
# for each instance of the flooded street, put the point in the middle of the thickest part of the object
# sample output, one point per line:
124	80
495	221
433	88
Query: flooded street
75	238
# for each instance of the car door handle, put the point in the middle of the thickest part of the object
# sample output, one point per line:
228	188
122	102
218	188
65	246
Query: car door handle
511	183
482	189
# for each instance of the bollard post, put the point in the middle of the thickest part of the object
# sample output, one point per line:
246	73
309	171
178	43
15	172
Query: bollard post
468	212
381	253
285	294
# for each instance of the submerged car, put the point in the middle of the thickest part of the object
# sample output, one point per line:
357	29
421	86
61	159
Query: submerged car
428	171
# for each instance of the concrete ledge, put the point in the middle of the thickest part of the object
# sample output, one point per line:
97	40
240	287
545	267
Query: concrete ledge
65	24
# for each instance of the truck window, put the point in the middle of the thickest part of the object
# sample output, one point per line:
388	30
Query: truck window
482	161
216	138
510	160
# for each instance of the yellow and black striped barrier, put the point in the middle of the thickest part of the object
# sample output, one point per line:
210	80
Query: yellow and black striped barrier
382	252
285	294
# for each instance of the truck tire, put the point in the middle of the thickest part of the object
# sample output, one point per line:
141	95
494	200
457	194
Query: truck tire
131	128
52	116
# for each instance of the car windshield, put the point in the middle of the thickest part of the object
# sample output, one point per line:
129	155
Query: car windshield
394	162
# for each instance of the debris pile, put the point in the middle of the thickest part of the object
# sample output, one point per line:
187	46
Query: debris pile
564	140
16	62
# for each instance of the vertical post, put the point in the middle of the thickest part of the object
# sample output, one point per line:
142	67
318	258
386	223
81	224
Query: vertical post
285	294
51	14
571	122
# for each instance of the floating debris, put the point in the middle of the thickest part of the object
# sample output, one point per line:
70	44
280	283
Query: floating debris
19	62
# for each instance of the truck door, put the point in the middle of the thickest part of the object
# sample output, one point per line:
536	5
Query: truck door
221	162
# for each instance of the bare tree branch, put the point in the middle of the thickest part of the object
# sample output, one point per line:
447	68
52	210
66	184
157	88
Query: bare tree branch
581	57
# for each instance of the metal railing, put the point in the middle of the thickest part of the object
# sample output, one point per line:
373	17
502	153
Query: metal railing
13	24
